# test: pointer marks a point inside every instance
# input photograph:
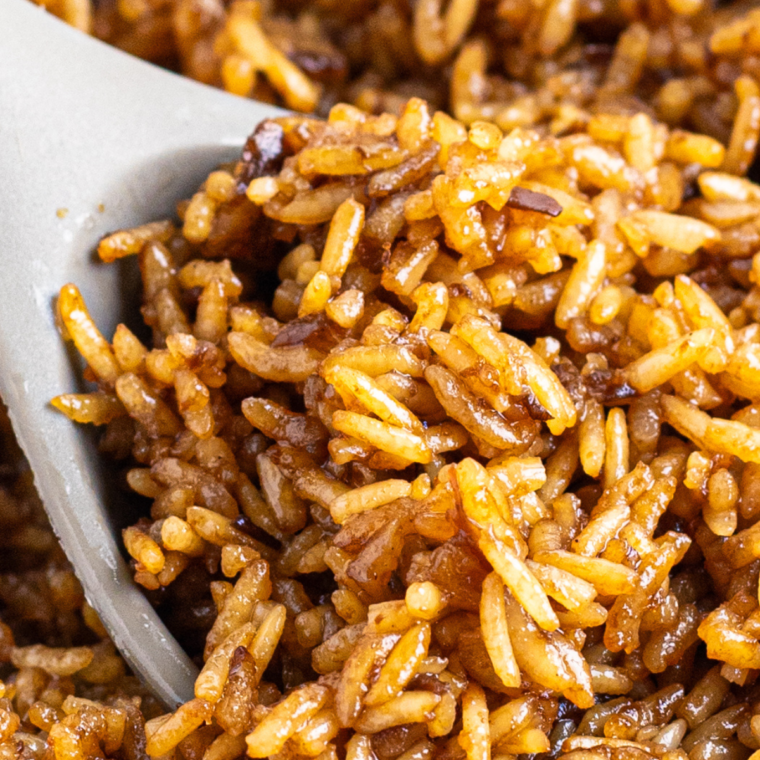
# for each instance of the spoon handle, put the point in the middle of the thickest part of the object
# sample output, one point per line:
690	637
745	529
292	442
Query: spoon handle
113	142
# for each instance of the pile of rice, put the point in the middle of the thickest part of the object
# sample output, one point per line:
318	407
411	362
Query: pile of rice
57	664
446	427
448	448
514	62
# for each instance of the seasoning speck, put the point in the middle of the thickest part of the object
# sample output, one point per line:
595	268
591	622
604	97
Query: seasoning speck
529	200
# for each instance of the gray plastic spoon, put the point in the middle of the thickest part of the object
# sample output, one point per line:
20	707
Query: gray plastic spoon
116	142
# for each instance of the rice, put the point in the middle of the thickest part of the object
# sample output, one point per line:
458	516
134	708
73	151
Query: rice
421	534
70	694
447	424
513	63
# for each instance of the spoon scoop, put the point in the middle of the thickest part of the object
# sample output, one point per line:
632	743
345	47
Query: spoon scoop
91	140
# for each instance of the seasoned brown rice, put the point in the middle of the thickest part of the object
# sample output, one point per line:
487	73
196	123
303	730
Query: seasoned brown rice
477	473
446	420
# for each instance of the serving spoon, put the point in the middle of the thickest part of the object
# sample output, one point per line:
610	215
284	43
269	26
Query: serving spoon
91	140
